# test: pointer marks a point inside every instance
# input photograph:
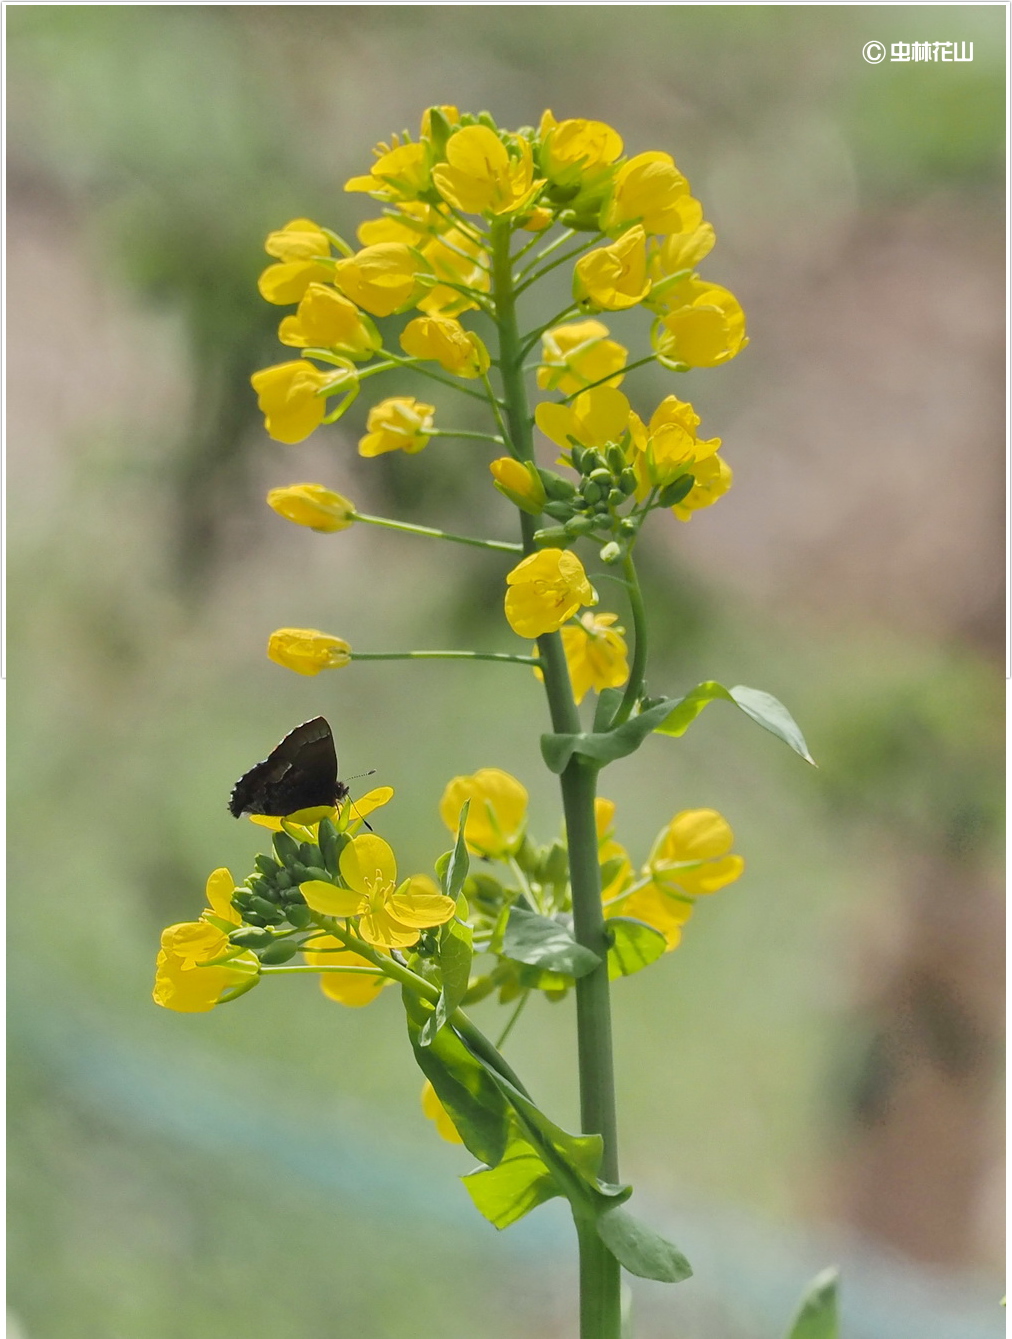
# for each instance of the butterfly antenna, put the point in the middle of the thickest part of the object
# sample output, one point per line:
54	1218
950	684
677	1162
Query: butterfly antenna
359	816
359	775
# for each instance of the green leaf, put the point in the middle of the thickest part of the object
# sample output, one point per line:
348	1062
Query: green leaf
818	1314
521	1181
763	708
539	941
454	958
641	1250
634	945
604	747
473	1100
456	869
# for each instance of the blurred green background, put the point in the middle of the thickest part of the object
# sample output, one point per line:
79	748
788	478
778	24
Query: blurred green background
812	1077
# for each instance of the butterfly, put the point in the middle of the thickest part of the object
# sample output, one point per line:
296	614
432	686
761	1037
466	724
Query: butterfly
301	773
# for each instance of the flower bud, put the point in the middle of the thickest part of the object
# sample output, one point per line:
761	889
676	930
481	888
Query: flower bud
307	650
520	482
611	553
313	506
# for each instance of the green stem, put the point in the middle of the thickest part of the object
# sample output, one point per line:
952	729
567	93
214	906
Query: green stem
634	688
599	1270
501	546
289	971
502	657
642	362
476	436
514	1016
416	365
560	260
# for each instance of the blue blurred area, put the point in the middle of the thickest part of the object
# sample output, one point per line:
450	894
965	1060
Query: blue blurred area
812	1077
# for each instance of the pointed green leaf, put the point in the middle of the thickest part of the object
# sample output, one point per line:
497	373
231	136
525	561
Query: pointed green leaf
641	1250
763	708
818	1314
454	958
473	1100
634	945
456	869
542	942
607	704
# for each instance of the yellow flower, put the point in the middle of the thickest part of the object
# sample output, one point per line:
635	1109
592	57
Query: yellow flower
401	423
497	814
327	320
350	988
437	1113
576	149
301	239
575	355
689	860
663	449
307	650
538	220
520	482
182	980
446	341
648	189
456	258
298	245
480	176
289	396
400	174
304	824
596	654
703	325
312	505
413	222
683	248
391	915
545	591
595	418
604	816
613	277
713	478
383	278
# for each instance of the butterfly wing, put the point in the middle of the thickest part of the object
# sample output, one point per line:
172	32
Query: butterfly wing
301	773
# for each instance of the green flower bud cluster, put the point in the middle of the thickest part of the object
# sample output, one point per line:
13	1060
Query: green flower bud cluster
270	897
606	484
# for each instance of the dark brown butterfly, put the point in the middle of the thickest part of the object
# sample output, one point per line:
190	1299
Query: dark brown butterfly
301	773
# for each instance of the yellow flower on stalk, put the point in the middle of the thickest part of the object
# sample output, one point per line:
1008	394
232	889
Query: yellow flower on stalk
411	224
520	481
681	249
496	816
545	590
647	190
182	980
689	859
596	654
664	448
391	915
403	173
444	340
713	478
299	246
353	989
703	325
313	506
575	355
307	650
326	319
383	278
573	150
401	423
614	277
481	176
292	396
595	418
436	1112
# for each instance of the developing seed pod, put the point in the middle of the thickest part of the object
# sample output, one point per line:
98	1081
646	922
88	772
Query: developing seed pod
555	536
579	525
558	511
299	915
557	488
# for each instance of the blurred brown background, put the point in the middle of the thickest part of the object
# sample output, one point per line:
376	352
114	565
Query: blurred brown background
813	1076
